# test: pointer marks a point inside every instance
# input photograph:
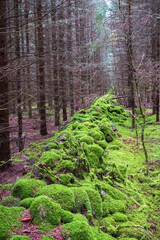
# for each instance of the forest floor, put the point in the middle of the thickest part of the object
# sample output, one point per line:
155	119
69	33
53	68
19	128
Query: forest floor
130	155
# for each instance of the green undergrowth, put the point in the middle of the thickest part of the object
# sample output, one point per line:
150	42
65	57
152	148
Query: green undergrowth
90	178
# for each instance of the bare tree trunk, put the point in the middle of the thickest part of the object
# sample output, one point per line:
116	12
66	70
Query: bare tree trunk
55	66
4	114
18	76
28	67
131	102
42	107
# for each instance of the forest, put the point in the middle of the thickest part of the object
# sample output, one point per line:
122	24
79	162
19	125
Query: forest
79	120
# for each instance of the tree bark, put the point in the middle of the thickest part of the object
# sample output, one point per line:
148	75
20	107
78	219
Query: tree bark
42	98
4	114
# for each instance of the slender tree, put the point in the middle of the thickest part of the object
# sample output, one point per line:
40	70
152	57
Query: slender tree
40	41
4	114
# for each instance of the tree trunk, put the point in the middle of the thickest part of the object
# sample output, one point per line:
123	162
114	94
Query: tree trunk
18	76
4	114
42	99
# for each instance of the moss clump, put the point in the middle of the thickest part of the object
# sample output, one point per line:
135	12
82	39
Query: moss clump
67	165
66	216
96	201
24	188
99	235
79	230
18	237
49	158
97	135
26	203
113	192
9	201
82	203
106	128
60	194
9	220
120	217
86	139
6	187
66	179
97	150
50	146
80	217
44	210
112	206
102	144
93	160
108	225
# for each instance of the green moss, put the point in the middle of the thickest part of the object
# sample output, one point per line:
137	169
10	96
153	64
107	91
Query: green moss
96	135
9	201
43	209
112	206
127	238
47	238
67	165
93	160
108	225
66	216
18	237
24	188
113	192
7	187
49	158
82	203
97	150
79	230
120	217
9	220
50	146
106	128
26	203
80	217
66	179
96	201
99	235
60	194
102	144
86	139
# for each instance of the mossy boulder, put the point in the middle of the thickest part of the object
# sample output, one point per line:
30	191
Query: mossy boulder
86	139
9	201
18	237
107	130
82	203
60	194
24	188
111	206
112	192
108	225
80	217
93	160
43	209
67	178
66	216
9	220
49	158
95	201
120	217
103	144
97	150
26	203
79	230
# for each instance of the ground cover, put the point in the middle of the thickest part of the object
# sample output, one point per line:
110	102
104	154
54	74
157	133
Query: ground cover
87	182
